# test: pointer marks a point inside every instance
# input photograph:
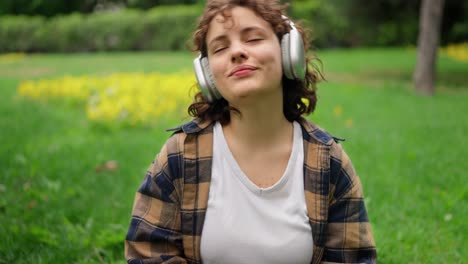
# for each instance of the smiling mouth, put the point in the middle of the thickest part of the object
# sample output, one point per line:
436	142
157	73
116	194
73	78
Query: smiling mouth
243	72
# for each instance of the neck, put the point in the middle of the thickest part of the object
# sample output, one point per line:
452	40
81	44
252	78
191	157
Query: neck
259	123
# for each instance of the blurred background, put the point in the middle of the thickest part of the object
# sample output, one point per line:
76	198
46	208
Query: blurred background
87	89
105	25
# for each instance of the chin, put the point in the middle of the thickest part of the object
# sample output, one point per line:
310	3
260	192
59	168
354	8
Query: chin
241	89
246	90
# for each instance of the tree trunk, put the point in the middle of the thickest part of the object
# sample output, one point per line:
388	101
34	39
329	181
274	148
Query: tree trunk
428	42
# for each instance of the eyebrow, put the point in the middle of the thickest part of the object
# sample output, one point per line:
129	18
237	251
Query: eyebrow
243	31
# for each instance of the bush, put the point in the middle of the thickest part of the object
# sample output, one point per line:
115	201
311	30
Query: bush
161	28
168	28
19	33
322	20
459	32
337	23
110	31
63	33
333	23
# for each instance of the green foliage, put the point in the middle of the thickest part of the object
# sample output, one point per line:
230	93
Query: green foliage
375	23
333	23
19	33
168	28
63	33
167	24
44	7
146	4
459	32
455	24
324	20
346	23
50	8
161	28
113	30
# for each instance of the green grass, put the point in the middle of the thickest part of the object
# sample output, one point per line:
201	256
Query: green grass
409	150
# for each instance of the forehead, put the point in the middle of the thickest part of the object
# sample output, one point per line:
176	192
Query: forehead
237	18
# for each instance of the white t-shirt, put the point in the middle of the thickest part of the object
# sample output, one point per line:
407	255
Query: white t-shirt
248	224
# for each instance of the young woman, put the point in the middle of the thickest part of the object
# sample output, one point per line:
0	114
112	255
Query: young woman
250	180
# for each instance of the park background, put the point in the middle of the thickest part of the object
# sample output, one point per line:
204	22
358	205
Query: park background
87	89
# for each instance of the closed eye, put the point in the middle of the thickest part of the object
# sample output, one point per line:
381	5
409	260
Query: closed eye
254	39
219	50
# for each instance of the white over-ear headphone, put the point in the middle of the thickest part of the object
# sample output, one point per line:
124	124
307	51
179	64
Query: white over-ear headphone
293	60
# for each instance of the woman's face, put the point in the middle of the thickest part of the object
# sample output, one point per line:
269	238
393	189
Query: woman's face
244	55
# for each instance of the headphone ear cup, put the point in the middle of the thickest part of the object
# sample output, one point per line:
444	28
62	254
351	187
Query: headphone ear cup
293	54
210	80
205	79
297	54
285	56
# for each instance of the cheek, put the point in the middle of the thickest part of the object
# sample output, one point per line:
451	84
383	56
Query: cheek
279	60
217	69
273	59
279	65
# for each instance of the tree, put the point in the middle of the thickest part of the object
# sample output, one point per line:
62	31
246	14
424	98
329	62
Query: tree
428	41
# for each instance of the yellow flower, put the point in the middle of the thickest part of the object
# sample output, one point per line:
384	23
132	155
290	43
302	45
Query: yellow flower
11	57
457	52
349	123
338	110
125	97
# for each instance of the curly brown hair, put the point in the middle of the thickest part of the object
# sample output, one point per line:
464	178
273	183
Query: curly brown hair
299	97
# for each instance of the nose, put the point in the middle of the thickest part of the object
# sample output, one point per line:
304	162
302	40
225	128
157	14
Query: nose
238	53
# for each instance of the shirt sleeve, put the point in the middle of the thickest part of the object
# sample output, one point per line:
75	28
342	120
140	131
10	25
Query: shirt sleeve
349	237
154	234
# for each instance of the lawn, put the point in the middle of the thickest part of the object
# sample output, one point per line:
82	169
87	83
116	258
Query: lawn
58	203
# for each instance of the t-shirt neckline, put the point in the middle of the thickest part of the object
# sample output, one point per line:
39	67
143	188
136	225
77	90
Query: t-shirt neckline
234	166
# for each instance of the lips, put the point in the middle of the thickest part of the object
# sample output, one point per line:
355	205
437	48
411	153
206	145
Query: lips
242	70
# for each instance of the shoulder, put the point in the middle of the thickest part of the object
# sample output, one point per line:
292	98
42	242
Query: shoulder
194	126
314	133
339	160
180	133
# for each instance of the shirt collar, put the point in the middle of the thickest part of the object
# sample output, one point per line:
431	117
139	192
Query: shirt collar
315	131
194	126
197	125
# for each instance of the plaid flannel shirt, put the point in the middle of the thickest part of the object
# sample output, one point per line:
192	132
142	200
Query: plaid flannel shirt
171	203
